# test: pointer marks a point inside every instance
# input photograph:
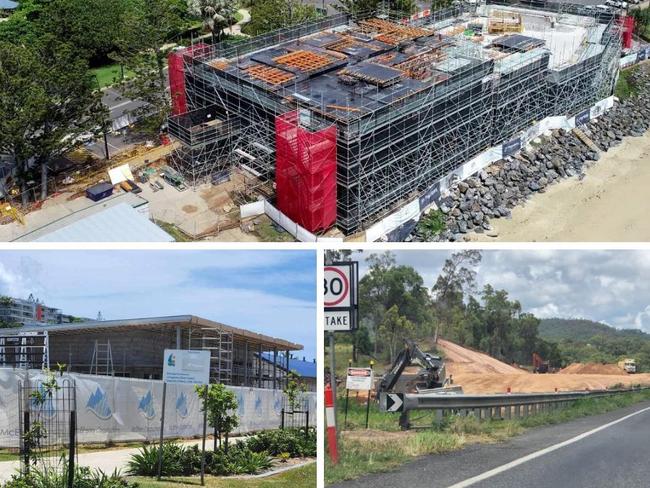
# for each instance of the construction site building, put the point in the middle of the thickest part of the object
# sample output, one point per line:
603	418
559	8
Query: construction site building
135	348
354	117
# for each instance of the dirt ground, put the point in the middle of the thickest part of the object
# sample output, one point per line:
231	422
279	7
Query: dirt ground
538	383
592	368
610	204
478	373
459	360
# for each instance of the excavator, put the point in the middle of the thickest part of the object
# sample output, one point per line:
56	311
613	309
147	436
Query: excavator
431	376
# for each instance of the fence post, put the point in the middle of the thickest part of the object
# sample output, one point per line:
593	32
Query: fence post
73	441
282	419
307	423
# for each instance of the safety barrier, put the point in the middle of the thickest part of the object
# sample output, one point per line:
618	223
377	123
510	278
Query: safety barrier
501	406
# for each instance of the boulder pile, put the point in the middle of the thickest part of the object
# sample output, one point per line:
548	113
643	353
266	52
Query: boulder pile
472	203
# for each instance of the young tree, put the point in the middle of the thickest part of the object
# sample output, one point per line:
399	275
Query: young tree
221	405
294	390
216	14
393	329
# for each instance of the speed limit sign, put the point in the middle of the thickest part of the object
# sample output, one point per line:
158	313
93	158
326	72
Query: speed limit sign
340	296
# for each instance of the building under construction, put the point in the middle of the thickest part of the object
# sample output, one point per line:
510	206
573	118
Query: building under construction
135	348
353	117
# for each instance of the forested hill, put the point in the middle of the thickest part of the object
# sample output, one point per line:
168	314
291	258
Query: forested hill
580	330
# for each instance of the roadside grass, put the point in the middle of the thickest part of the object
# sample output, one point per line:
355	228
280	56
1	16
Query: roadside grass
383	447
110	74
624	88
299	477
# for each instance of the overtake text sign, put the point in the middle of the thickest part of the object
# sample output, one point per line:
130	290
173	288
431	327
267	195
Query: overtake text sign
340	296
186	367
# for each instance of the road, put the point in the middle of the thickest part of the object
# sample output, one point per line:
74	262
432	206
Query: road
602	451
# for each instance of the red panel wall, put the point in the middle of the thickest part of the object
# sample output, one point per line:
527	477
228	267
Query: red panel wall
177	75
628	29
305	173
177	82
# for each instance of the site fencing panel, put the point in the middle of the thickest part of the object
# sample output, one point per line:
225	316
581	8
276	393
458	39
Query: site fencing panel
111	409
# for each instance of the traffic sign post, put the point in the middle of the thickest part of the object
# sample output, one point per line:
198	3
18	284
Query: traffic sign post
372	363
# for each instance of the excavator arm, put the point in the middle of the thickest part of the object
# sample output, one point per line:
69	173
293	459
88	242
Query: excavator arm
431	376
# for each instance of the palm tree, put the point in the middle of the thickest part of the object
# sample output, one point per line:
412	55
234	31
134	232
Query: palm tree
216	14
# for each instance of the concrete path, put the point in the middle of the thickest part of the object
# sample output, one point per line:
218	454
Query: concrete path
107	460
235	29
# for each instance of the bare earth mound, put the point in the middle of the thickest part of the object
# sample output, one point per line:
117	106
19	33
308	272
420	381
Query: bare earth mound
540	383
592	368
460	360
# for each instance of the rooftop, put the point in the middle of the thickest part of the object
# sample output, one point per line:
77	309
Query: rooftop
306	369
348	70
184	321
115	219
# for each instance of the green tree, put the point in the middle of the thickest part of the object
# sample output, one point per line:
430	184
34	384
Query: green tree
393	329
294	390
369	7
386	284
48	102
221	405
456	280
269	15
216	14
146	29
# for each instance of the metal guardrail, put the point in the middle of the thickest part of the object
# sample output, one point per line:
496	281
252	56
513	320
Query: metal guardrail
500	406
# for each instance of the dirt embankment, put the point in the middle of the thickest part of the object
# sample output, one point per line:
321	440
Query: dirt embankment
460	360
480	373
593	368
540	383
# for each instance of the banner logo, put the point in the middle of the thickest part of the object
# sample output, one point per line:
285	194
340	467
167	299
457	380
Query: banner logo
145	407
98	404
181	405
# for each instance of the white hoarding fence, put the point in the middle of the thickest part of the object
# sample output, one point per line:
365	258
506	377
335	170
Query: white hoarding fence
127	409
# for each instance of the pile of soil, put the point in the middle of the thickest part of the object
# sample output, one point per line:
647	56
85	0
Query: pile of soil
592	368
541	383
460	360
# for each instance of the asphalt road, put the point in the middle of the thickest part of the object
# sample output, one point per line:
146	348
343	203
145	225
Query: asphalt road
615	456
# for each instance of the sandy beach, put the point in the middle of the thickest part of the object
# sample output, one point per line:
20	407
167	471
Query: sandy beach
612	203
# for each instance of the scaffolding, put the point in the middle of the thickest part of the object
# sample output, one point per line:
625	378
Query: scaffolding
410	101
25	350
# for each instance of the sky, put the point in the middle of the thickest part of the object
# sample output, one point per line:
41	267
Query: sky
270	292
606	286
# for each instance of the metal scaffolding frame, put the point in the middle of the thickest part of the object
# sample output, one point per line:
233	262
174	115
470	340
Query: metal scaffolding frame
390	152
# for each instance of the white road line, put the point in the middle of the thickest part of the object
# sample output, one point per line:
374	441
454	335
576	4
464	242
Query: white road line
529	457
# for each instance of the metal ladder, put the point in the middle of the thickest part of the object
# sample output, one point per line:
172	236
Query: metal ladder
102	358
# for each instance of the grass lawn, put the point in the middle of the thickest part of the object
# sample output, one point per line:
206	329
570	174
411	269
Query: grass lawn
108	75
384	447
304	477
173	231
624	89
